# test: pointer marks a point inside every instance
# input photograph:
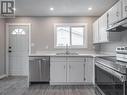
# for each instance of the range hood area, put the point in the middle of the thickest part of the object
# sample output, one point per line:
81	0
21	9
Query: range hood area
118	26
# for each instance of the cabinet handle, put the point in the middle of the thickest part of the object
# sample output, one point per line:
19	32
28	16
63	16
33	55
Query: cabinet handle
84	73
69	67
64	66
84	59
43	59
125	8
117	14
39	62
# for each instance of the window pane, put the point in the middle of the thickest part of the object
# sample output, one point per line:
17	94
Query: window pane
77	35
63	36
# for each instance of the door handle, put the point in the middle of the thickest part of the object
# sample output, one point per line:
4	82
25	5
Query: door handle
9	51
9	47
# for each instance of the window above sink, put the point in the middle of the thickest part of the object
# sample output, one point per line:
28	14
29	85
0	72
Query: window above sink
73	34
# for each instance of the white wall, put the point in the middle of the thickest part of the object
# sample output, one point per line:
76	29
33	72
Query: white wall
2	48
43	30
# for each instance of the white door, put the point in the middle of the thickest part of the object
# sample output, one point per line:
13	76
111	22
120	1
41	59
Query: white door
18	49
75	72
58	72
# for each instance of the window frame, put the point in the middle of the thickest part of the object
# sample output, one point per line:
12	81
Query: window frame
71	25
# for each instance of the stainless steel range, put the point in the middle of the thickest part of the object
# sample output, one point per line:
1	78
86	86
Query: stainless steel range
111	74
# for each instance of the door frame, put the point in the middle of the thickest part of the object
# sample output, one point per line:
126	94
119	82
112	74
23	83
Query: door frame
7	43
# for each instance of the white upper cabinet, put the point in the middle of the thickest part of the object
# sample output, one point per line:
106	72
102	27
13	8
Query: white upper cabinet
115	14
100	33
103	34
124	8
95	32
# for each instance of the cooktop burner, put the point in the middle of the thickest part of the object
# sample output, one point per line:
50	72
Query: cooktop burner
113	63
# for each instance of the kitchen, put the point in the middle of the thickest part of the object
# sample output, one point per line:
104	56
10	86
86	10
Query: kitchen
64	47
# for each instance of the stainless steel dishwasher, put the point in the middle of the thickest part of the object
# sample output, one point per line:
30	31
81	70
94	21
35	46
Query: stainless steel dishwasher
39	69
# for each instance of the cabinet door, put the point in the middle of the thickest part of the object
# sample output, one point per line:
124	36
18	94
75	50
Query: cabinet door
75	72
58	72
114	14
124	8
103	34
34	69
95	32
89	70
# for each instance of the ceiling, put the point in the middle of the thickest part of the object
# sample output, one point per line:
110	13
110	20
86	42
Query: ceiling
62	7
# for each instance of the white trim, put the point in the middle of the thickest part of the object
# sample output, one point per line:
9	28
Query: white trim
85	42
3	76
7	42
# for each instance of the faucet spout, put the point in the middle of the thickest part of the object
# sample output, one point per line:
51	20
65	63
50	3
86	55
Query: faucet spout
67	49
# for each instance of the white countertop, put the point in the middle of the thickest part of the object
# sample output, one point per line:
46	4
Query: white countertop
53	54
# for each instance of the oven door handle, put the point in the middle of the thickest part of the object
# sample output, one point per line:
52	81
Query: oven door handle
121	77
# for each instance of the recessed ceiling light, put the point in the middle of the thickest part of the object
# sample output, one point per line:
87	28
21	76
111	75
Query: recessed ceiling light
52	9
90	8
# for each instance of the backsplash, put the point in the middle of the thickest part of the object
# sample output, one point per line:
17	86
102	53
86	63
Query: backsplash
111	47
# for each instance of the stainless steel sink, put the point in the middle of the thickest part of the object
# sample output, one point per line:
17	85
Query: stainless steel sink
66	53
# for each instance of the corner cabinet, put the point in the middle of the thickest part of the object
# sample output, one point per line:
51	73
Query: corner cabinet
68	70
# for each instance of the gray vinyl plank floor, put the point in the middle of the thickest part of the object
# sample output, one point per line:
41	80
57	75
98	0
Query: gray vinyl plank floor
18	86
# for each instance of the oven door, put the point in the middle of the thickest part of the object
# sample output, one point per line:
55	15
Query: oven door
108	81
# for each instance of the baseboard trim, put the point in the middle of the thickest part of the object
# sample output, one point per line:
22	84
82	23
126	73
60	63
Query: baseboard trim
17	75
70	83
3	76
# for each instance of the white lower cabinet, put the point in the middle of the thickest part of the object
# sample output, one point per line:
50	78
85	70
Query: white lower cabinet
89	70
58	72
69	70
75	72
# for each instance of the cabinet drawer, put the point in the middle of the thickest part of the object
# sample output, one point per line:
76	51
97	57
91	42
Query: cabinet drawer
58	59
76	59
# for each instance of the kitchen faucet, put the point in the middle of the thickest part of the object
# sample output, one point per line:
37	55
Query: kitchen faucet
67	49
